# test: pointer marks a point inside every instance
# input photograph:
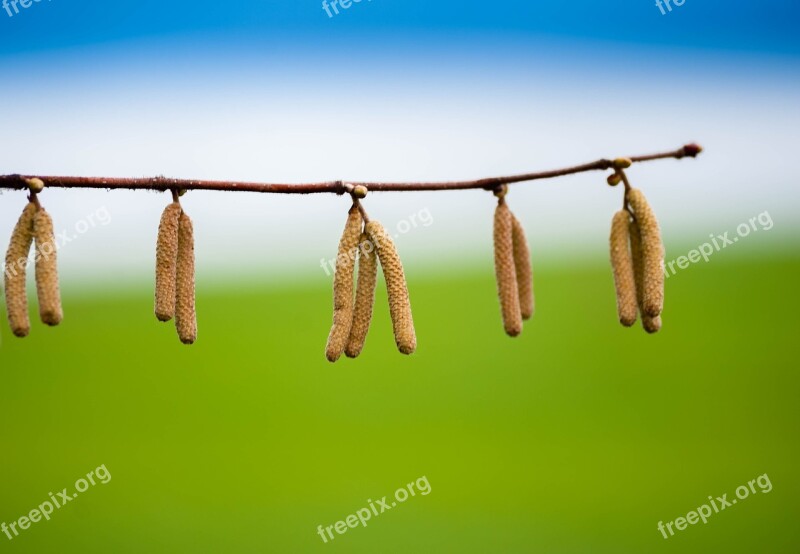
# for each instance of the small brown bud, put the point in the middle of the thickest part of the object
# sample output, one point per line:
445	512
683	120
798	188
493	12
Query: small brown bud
614	179
35	185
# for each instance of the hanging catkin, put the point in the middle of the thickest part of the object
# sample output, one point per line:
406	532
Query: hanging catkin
16	261
524	271
505	270
166	258
365	297
399	302
652	254
622	265
50	310
185	315
343	286
650	324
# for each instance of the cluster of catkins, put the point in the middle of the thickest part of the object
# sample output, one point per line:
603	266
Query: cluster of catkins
365	243
35	226
637	260
512	263
175	294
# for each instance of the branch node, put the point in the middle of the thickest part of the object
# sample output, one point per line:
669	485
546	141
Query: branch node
622	163
35	185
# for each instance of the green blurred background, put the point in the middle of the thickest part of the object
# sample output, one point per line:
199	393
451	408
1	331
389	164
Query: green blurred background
579	436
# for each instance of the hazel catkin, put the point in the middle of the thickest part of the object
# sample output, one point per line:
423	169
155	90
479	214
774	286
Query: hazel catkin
396	287
622	266
652	254
166	259
506	271
343	303
16	262
365	297
50	310
651	324
185	314
524	270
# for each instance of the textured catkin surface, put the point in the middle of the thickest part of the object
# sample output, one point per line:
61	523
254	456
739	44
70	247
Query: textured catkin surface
166	259
506	271
622	266
399	302
524	270
365	297
16	260
343	303
50	310
185	315
651	324
652	254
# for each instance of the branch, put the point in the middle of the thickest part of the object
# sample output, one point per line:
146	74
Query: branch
19	182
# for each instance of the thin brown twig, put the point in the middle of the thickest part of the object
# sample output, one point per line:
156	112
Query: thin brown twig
18	182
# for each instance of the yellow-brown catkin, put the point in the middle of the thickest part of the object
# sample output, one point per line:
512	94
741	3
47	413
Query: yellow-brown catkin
622	265
365	297
185	314
396	287
47	290
166	259
522	263
650	324
652	254
505	270
343	303
16	261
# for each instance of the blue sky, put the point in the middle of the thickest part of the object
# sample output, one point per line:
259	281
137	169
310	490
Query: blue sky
766	26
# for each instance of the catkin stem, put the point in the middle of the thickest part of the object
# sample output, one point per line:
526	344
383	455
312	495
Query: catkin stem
399	302
166	260
185	314
365	297
50	310
622	265
343	303
652	254
16	261
524	270
506	271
